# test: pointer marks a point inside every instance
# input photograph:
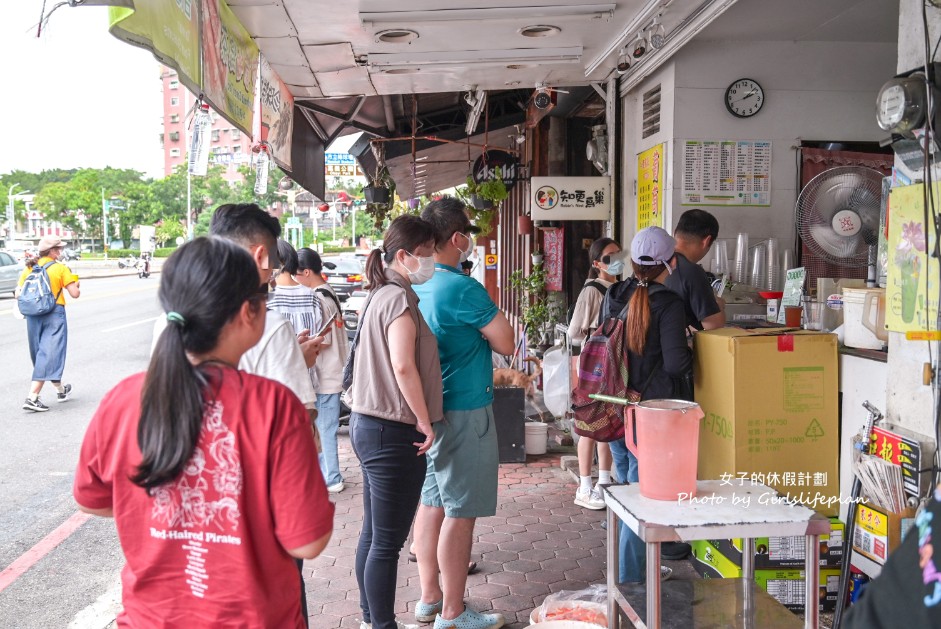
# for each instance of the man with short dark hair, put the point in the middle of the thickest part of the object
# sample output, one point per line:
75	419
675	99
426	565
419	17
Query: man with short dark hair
279	355
461	484
695	232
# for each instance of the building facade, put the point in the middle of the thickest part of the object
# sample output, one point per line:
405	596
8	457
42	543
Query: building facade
230	146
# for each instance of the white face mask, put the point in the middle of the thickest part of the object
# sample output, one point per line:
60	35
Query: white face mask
426	269
466	253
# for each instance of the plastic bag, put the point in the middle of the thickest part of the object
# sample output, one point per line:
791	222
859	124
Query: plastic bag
555	385
588	605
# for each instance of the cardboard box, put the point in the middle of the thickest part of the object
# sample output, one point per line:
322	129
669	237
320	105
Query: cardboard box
785	585
879	531
771	405
772	553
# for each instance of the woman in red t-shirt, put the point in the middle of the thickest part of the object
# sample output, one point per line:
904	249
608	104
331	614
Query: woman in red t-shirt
203	466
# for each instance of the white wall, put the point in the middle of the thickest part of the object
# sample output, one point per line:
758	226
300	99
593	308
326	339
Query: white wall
909	401
633	143
813	90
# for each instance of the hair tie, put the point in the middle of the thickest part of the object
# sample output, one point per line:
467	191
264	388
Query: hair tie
177	318
640	283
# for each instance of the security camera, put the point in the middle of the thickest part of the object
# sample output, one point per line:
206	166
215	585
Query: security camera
542	99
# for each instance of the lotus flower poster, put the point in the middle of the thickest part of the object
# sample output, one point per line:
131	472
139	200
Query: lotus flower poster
912	285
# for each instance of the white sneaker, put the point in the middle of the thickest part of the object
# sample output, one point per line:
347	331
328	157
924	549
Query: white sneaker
665	573
398	624
337	488
590	499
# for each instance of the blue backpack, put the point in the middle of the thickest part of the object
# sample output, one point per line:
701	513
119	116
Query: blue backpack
36	298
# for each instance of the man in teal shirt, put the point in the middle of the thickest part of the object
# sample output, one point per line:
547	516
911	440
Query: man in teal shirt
461	484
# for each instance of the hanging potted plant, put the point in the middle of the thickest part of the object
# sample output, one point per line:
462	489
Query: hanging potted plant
537	312
474	199
537	256
380	195
525	224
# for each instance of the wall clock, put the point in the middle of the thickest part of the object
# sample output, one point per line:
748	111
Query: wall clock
744	98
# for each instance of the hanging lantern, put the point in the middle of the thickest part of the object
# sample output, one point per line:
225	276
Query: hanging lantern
324	207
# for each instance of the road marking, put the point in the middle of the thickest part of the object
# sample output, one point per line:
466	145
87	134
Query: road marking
84	300
103	611
131	325
42	548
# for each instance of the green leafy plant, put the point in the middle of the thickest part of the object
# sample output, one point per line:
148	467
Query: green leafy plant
536	311
381	211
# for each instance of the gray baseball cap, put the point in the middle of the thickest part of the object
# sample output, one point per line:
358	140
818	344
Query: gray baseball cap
652	246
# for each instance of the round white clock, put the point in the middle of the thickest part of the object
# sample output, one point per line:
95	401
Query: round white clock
744	98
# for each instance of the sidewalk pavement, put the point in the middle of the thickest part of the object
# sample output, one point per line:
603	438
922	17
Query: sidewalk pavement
538	542
89	269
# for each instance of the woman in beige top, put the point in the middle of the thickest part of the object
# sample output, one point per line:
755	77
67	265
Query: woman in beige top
604	272
396	397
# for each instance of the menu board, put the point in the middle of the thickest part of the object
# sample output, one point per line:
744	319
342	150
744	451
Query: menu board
553	241
726	172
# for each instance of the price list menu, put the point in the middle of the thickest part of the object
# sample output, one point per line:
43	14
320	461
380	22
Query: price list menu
726	172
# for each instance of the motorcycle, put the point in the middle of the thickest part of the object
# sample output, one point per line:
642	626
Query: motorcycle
71	254
143	266
128	262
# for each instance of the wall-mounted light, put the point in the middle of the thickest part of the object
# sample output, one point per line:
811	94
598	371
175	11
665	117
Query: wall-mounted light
640	45
624	61
656	34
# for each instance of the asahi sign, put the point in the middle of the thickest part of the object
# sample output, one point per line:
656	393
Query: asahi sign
570	198
485	168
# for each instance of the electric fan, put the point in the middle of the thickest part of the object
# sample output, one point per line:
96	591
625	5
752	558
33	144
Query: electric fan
838	216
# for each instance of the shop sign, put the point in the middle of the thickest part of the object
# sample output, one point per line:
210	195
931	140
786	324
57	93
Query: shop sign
570	198
343	170
344	159
167	28
485	168
277	114
490	262
651	187
230	64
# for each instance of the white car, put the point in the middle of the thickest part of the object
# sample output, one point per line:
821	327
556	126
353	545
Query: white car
351	311
10	269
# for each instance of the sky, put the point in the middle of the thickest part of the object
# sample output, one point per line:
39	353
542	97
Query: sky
77	96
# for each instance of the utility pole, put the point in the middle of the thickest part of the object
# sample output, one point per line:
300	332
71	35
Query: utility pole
353	230
11	220
189	208
104	218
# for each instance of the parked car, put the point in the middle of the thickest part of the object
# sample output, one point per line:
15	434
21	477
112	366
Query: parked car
345	277
69	254
351	311
10	270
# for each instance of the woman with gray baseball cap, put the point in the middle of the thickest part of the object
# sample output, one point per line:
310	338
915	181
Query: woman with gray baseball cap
659	357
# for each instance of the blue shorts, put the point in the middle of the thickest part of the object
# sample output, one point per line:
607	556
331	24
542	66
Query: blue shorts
462	465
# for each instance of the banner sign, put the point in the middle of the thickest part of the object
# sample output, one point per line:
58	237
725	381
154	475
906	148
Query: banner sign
167	28
485	167
277	114
570	198
553	241
651	187
230	64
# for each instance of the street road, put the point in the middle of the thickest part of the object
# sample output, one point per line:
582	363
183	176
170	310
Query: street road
109	339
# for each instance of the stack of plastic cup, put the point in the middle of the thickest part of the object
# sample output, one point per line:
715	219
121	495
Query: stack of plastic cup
720	259
758	273
773	278
741	259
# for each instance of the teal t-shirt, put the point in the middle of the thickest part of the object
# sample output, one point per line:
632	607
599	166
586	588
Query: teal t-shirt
456	307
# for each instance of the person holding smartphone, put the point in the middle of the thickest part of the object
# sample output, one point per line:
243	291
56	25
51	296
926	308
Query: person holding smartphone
295	302
330	363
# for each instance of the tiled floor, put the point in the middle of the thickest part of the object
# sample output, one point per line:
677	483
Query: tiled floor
538	542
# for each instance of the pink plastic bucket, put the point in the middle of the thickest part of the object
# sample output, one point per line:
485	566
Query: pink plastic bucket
664	436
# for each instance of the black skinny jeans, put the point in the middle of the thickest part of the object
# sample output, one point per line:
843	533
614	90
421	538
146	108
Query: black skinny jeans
393	475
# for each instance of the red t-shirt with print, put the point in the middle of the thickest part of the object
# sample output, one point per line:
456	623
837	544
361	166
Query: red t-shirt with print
208	549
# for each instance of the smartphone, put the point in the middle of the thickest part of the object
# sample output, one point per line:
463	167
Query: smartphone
325	329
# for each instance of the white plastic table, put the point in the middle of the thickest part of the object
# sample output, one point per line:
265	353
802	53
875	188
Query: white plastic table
721	509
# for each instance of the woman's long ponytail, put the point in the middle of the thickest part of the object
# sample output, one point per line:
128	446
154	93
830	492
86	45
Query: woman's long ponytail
638	310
